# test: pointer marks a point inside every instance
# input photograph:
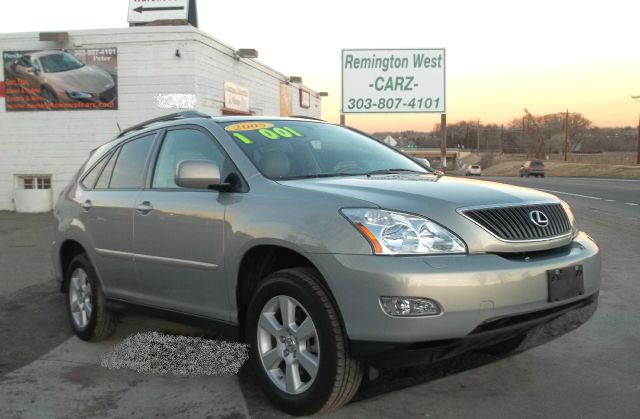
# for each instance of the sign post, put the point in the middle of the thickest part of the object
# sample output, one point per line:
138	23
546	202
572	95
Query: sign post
395	81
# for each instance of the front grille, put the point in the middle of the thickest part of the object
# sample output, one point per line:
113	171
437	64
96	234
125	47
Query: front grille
514	224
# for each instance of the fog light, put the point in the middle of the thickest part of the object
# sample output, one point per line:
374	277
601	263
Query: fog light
409	306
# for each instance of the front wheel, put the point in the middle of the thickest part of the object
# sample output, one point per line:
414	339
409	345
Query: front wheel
86	304
299	349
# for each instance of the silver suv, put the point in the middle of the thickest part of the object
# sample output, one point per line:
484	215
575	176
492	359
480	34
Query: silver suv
327	251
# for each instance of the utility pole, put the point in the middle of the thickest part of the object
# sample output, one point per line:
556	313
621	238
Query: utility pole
566	135
638	155
342	119
443	141
500	140
478	138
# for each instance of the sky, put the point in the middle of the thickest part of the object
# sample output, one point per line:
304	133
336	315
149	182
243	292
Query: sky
502	56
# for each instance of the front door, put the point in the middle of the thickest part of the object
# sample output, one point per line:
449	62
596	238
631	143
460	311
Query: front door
179	232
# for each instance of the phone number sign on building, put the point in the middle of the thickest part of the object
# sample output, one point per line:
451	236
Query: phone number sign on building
393	81
150	10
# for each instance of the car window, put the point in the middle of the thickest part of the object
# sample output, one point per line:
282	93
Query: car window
286	149
129	169
180	145
59	62
90	178
105	176
34	64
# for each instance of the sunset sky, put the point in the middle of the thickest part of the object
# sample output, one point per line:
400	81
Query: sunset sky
502	56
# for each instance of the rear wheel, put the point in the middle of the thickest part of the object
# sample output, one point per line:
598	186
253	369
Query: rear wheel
86	304
299	349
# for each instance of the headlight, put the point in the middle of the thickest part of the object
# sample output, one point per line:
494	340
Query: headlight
395	233
572	219
79	95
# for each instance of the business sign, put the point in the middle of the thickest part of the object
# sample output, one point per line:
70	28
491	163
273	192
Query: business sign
141	11
61	80
393	81
236	97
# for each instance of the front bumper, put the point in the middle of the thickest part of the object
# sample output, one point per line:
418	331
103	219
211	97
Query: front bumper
471	289
541	326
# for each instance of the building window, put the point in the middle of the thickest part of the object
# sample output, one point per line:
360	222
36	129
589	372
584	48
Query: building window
35	182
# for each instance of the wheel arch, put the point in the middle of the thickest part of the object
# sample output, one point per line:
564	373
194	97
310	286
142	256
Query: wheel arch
69	249
262	260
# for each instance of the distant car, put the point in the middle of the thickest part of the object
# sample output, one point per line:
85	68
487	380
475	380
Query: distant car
474	170
532	168
62	78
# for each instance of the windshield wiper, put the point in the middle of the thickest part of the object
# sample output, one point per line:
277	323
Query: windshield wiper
392	172
318	175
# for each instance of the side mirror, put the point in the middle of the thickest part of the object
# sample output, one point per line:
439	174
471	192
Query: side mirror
198	174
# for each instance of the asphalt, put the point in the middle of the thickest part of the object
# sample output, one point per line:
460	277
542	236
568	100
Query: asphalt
591	372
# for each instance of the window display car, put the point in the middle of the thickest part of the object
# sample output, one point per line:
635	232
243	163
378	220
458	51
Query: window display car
324	249
62	78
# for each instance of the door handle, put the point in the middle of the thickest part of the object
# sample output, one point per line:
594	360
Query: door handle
86	205
144	207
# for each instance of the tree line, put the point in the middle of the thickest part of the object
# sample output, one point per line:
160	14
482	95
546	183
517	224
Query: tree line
531	134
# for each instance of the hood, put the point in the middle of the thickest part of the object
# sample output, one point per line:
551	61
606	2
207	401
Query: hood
88	79
437	198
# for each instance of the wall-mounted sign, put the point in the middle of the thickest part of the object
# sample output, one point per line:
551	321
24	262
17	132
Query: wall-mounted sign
305	98
141	11
61	80
236	97
393	81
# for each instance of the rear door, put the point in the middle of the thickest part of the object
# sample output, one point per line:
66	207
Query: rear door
179	232
107	213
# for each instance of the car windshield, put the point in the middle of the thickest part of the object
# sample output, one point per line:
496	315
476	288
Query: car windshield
56	63
302	149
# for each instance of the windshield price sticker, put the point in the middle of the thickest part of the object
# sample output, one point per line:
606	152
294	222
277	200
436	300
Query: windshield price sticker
393	81
248	126
266	132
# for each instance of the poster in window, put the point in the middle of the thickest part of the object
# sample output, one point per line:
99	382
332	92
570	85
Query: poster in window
61	80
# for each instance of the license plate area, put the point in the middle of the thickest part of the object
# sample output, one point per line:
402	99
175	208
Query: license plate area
565	283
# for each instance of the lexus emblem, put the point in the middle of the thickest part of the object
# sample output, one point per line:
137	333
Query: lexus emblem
539	218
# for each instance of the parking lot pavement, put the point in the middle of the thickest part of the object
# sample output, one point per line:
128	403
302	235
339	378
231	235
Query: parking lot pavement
590	373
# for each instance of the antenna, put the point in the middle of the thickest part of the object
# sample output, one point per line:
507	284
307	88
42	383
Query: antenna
119	129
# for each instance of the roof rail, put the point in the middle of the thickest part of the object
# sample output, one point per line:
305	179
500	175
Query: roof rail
170	117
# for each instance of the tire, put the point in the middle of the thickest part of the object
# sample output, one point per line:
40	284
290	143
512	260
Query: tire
528	175
337	375
542	175
82	284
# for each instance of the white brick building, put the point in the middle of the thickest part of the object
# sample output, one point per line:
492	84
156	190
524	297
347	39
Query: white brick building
151	61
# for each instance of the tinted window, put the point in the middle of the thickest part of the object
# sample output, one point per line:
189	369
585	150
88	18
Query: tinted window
180	145
105	176
129	169
90	179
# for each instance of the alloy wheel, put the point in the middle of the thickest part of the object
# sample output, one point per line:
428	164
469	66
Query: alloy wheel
288	344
